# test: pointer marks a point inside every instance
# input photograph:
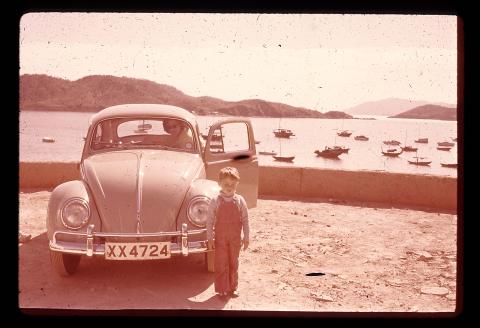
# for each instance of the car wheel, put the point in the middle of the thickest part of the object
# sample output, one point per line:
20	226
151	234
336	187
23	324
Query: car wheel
210	260
64	264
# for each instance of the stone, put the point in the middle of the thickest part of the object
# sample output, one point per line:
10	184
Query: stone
434	290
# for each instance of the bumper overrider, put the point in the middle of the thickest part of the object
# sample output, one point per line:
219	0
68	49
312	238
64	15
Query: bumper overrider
93	247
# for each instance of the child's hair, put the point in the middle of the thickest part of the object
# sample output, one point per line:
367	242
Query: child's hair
229	172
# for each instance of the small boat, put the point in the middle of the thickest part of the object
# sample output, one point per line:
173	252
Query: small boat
284	158
446	144
444	148
267	152
344	133
416	160
283	133
361	138
329	152
392	152
409	148
406	147
453	165
392	142
257	142
48	139
422	140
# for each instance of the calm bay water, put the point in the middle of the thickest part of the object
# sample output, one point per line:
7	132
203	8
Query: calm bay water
68	130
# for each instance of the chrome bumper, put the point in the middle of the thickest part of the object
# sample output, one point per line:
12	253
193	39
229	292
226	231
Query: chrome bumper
90	248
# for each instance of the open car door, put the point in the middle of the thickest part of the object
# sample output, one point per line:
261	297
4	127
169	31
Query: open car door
230	142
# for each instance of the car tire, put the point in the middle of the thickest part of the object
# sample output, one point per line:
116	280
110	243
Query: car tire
210	260
64	264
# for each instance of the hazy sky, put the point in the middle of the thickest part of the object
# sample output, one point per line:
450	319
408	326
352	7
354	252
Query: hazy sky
322	62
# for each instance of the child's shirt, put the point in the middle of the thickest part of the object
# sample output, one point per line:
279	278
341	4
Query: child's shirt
212	211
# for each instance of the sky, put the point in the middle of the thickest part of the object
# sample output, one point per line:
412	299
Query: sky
318	61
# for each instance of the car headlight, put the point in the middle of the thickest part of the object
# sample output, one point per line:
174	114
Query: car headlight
197	211
75	213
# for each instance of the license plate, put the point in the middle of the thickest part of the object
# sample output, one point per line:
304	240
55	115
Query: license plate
137	251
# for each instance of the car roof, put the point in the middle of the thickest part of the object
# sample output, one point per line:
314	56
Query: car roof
134	110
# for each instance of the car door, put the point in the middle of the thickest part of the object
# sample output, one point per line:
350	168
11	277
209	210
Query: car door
231	142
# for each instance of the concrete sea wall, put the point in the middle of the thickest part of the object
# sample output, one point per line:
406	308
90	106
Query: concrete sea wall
408	190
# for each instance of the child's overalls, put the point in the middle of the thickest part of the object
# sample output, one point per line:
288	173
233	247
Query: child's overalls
228	227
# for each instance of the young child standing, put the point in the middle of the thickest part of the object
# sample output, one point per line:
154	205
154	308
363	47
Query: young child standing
227	217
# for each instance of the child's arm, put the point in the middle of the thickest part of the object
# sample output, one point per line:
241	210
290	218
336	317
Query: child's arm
211	217
245	223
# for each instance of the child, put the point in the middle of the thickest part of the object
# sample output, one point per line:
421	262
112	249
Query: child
227	216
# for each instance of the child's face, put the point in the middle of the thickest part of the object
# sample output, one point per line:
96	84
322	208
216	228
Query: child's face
228	186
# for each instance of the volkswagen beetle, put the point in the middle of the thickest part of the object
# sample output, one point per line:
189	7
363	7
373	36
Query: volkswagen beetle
146	178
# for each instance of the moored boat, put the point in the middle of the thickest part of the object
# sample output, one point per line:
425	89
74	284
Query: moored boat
284	158
409	148
267	152
48	139
422	140
361	138
416	160
392	142
329	152
444	148
283	133
344	133
446	144
453	165
392	152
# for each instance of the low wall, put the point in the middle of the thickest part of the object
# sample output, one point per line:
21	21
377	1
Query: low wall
367	186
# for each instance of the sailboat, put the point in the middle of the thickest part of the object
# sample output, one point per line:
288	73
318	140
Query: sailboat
282	158
417	160
344	133
282	133
408	148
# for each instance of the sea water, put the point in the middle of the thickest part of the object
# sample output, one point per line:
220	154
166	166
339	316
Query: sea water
69	128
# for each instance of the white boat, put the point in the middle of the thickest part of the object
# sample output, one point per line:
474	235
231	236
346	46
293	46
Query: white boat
48	139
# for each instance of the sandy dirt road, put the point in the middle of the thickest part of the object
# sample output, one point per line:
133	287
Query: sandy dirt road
305	255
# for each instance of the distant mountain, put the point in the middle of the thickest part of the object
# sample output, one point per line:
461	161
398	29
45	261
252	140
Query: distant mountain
433	112
388	107
95	92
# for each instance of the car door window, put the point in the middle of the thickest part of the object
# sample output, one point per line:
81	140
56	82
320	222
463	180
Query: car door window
230	137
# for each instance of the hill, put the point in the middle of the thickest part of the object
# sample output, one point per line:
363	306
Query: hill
434	112
388	107
95	92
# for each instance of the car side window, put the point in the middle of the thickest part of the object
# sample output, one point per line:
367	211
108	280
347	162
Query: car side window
230	137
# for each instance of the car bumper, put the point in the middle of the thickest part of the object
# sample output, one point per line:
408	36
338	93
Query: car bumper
91	248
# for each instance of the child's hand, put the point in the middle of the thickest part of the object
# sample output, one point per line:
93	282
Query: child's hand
245	243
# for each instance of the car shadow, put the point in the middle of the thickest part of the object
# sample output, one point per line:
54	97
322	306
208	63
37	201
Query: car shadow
174	284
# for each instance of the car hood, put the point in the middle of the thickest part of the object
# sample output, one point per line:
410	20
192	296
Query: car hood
140	191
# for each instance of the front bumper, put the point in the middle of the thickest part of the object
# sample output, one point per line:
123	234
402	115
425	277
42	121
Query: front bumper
90	247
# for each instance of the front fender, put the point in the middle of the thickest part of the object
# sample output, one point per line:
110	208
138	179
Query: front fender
199	187
59	196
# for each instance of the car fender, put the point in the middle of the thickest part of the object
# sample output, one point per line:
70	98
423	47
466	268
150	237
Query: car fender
59	196
198	187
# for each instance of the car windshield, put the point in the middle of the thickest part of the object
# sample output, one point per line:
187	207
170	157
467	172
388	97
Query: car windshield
161	133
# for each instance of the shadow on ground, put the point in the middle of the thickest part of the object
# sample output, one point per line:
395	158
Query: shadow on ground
177	283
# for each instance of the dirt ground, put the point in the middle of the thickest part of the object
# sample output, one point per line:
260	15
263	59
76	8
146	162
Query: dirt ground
304	255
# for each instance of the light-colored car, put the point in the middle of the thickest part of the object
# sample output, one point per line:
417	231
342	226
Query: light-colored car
144	190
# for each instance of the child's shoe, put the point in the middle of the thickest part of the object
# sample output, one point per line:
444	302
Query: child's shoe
234	293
